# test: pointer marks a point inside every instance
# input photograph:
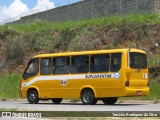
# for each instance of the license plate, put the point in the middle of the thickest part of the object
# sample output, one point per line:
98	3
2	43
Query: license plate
139	93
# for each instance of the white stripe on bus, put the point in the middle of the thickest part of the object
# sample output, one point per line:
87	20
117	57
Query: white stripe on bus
68	77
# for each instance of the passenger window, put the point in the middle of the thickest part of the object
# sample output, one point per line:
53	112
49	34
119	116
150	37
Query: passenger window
32	69
100	63
61	65
80	64
45	66
116	59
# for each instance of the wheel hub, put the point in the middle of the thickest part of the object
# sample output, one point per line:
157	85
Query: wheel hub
32	97
87	97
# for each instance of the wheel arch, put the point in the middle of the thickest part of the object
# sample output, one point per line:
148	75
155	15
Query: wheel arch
33	88
90	88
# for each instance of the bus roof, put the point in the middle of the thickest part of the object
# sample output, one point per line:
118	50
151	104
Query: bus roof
68	53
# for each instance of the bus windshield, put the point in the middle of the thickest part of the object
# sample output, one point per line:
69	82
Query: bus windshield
138	60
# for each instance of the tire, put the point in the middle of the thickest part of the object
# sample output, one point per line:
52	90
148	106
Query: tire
87	97
110	101
57	100
32	97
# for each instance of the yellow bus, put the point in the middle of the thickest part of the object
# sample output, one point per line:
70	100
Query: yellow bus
90	75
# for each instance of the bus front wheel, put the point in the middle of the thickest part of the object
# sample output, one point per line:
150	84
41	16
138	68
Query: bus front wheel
32	97
57	100
87	97
110	101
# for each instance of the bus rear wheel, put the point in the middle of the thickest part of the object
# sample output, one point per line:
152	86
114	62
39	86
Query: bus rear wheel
32	97
110	101
87	97
57	100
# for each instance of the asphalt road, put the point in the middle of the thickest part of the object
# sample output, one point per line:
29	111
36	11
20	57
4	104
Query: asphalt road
23	105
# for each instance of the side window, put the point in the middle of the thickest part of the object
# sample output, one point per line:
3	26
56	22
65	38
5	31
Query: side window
80	64
32	69
100	63
45	66
116	59
61	65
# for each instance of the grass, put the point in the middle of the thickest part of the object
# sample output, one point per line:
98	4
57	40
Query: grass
155	89
77	114
9	87
4	109
118	20
154	60
75	100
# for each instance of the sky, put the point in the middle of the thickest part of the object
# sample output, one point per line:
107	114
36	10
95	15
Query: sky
13	9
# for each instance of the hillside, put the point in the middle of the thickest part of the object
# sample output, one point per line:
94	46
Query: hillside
19	43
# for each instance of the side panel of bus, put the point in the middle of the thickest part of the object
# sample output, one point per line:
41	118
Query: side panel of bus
107	84
117	81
